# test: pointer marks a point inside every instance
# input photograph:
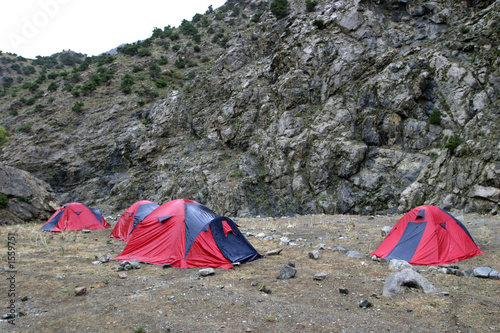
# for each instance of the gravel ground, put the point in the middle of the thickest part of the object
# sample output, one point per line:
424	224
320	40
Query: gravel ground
247	298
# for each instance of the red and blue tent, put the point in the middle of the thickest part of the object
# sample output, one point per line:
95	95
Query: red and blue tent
75	216
131	218
187	234
428	235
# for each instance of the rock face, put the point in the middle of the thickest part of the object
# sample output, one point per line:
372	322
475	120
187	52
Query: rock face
384	106
27	197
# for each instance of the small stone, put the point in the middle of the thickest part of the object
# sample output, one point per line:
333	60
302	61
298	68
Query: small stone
320	246
166	265
287	272
494	275
135	264
80	291
365	304
9	316
385	231
122	275
24	299
343	290
291	263
268	238
339	249
86	231
105	258
274	252
284	240
468	272
482	272
444	293
206	271
320	276
397	265
314	254
265	289
354	254
97	262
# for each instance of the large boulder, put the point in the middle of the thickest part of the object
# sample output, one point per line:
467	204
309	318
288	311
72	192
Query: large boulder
25	198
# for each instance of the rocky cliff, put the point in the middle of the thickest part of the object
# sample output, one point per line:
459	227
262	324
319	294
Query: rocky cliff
338	107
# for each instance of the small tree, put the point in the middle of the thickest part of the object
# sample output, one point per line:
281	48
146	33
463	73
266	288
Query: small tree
311	5
3	136
279	8
77	107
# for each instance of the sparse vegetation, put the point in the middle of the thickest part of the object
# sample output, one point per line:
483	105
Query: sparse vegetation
279	8
3	136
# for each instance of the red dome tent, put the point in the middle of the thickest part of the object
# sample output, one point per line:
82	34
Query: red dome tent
131	217
186	234
75	216
428	235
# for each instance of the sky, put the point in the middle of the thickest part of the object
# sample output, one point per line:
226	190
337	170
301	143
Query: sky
30	28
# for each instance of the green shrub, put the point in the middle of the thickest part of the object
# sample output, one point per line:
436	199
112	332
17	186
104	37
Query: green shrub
435	117
311	5
320	24
256	17
3	136
26	128
144	52
7	82
163	60
453	142
180	63
176	47
279	8
53	86
4	201
197	48
205	59
136	69
13	112
39	107
161	83
127	83
77	107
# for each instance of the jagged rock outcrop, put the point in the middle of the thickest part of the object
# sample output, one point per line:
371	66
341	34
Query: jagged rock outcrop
383	106
24	197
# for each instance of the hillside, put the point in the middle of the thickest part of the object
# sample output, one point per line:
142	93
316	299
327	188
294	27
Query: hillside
347	107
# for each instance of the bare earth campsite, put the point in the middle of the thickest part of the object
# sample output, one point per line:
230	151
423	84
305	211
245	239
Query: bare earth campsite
336	292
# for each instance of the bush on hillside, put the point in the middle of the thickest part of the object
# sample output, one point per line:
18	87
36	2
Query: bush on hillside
3	136
279	8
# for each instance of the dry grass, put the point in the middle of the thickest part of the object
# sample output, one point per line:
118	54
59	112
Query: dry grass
50	266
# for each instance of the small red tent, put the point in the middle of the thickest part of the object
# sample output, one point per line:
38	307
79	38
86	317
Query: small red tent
428	235
75	216
186	234
130	218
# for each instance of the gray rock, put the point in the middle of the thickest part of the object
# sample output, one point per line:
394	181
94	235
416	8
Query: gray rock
482	272
80	291
354	254
29	198
291	263
135	264
343	290
320	276
105	258
395	283
385	231
314	254
287	272
122	275
339	249
284	240
274	252
206	271
397	265
365	304
320	246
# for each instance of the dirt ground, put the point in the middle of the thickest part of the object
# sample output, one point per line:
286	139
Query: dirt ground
48	267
